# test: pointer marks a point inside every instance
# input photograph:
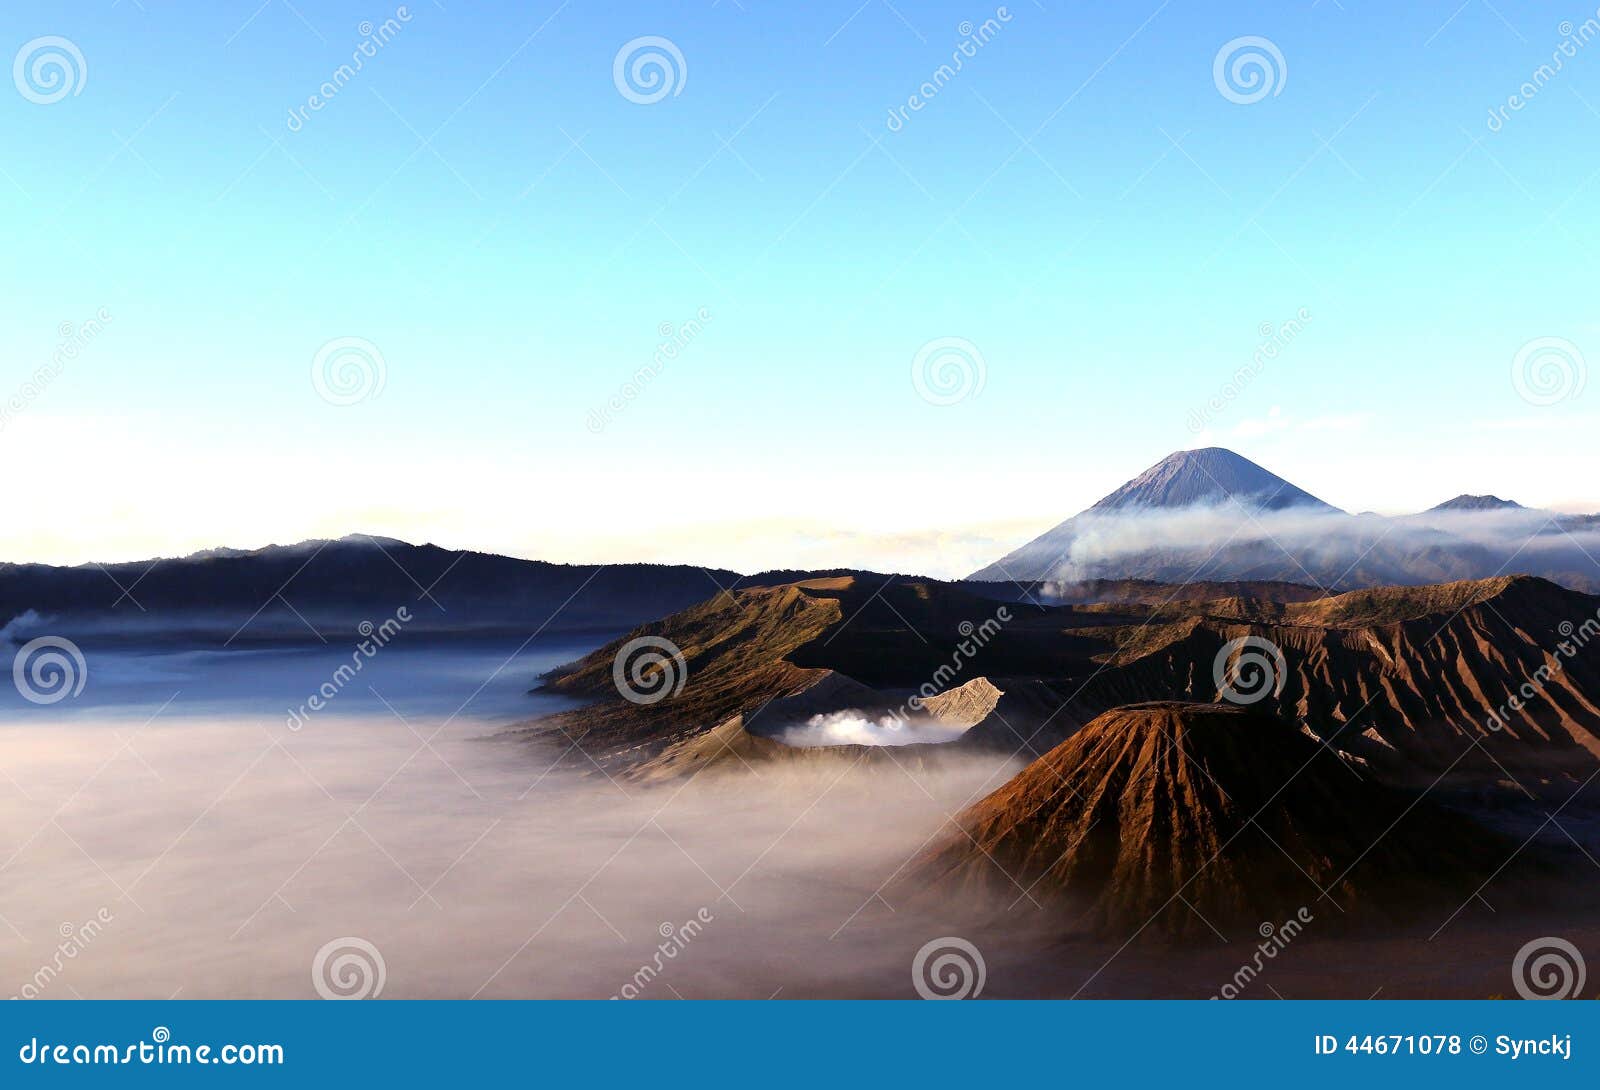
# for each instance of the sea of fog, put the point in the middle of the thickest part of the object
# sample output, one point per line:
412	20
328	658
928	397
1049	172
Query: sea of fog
171	831
174	831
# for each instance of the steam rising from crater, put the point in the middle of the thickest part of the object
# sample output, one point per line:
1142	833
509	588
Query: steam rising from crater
858	728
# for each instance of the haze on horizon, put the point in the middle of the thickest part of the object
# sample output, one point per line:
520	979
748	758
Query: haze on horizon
482	242
776	543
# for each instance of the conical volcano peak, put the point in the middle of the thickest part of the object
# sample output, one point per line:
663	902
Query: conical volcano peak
1209	475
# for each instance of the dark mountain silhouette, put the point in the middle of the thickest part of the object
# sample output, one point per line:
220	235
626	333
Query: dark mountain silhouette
287	592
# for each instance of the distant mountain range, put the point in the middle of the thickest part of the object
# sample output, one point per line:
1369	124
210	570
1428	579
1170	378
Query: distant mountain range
320	589
1208	518
1213	515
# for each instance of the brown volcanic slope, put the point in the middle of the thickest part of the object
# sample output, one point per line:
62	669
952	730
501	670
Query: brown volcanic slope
1236	813
851	643
1407	678
1404	679
737	650
1414	681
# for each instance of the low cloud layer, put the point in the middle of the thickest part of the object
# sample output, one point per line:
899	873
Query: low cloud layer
1332	549
20	627
228	853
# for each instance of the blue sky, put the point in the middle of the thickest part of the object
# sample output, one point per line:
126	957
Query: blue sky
1103	229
